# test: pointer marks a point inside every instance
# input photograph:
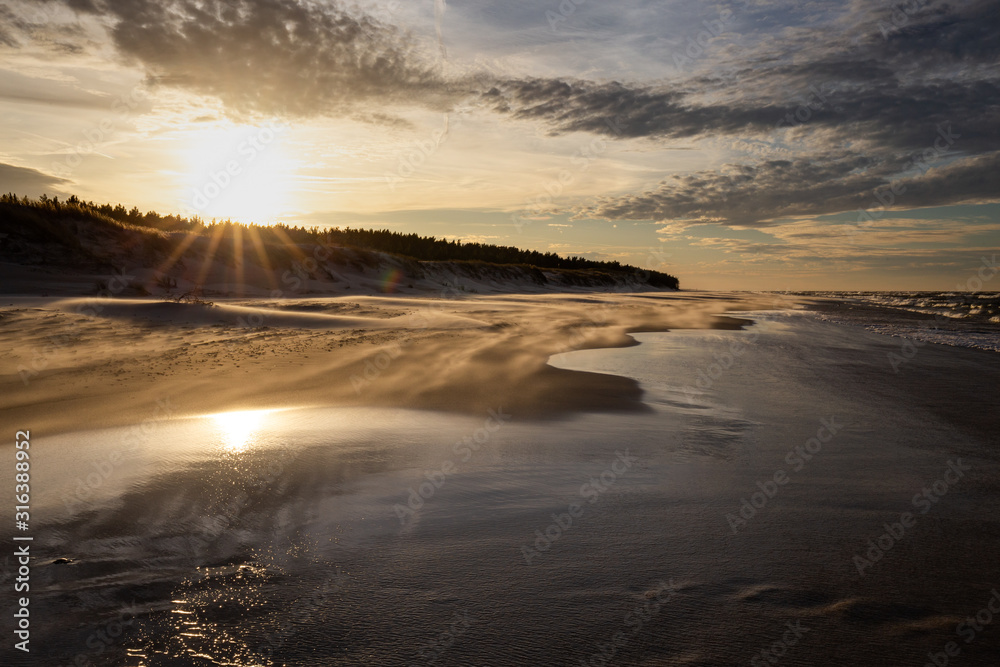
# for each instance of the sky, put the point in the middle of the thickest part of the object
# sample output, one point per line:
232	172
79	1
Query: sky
755	144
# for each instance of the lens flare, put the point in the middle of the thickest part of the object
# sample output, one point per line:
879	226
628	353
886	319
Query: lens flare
390	280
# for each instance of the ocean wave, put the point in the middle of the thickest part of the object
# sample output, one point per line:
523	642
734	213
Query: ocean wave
960	319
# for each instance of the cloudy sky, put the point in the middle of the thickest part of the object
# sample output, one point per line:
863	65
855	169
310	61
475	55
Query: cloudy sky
757	144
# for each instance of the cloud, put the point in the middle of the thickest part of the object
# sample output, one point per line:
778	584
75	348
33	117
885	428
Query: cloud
846	93
7	20
24	181
298	58
45	24
856	102
740	246
940	31
757	195
881	113
817	247
20	88
276	57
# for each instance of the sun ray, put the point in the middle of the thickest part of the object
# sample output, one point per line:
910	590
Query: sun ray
262	256
292	246
179	250
238	259
213	246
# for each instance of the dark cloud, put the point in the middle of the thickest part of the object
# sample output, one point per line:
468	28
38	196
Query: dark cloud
608	108
33	22
757	195
861	108
939	32
27	182
282	57
885	87
7	19
885	115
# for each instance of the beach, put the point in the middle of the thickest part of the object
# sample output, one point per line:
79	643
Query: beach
736	481
488	334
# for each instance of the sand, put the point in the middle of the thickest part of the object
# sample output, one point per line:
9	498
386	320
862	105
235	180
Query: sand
82	363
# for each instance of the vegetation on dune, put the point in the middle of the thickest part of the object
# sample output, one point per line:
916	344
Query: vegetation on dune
40	218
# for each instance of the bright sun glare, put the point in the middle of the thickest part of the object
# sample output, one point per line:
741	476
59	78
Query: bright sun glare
238	172
238	428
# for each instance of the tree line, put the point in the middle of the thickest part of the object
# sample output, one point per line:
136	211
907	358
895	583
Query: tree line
414	246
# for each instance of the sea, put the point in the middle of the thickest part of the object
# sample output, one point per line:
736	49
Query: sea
963	319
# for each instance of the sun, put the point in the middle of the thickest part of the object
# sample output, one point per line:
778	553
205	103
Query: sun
240	172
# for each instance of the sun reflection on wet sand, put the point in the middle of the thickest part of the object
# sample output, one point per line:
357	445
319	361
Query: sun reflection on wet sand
239	429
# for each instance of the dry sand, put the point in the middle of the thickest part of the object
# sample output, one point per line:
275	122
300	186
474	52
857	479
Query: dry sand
72	364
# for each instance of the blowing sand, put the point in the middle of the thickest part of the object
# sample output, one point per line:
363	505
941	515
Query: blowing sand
75	363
